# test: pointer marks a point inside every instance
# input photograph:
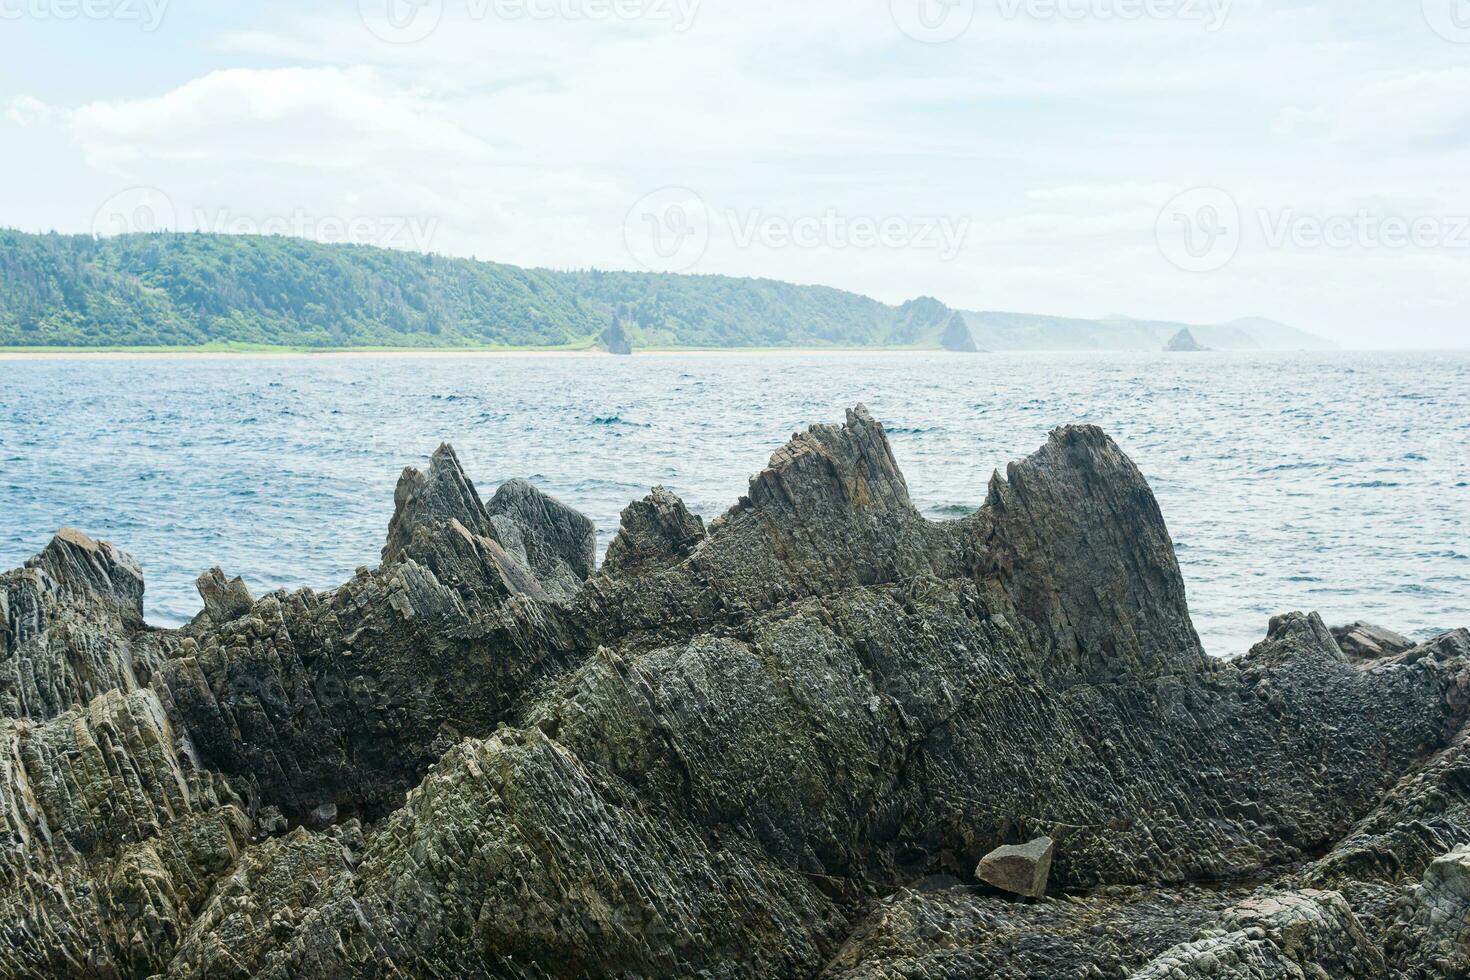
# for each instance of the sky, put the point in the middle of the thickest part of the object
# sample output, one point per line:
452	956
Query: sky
1195	160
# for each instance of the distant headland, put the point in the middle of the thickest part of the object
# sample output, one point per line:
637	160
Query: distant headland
250	294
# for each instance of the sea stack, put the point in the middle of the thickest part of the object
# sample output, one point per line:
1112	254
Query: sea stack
616	340
957	336
1184	343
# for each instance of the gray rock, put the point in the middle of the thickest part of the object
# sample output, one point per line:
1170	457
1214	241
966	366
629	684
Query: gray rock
1368	642
73	628
1021	869
615	339
324	815
560	543
523	540
1183	342
957	336
759	750
225	600
656	533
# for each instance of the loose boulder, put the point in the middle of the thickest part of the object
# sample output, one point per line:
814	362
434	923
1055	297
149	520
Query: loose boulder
1021	869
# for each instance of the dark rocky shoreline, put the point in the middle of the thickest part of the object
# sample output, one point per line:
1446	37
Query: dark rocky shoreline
776	746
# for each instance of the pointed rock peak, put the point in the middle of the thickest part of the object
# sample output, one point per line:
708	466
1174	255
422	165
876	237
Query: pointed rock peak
445	457
437	496
1080	544
655	532
96	568
473	563
957	336
848	465
225	600
560	542
1184	342
1292	636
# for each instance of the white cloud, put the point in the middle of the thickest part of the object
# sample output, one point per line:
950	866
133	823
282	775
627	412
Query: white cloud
334	118
24	110
527	141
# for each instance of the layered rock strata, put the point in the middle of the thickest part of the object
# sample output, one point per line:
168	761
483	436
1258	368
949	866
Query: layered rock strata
776	746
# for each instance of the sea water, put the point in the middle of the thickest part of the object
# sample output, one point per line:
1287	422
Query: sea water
1333	482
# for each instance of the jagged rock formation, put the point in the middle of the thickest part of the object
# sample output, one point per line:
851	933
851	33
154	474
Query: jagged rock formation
615	339
1368	641
72	623
654	533
1184	342
775	747
225	600
957	336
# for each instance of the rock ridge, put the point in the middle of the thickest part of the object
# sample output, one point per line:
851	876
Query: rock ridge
790	743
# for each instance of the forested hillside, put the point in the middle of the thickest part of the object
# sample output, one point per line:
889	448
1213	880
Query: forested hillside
195	289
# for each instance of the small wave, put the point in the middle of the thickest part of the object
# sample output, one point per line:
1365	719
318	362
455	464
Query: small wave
1283	467
616	420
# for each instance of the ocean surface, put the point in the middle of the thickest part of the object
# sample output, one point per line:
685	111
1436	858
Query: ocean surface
1331	482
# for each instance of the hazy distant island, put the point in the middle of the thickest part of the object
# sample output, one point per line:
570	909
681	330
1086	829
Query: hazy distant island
207	291
1184	342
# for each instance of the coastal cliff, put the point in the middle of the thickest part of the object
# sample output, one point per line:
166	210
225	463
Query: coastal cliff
776	745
